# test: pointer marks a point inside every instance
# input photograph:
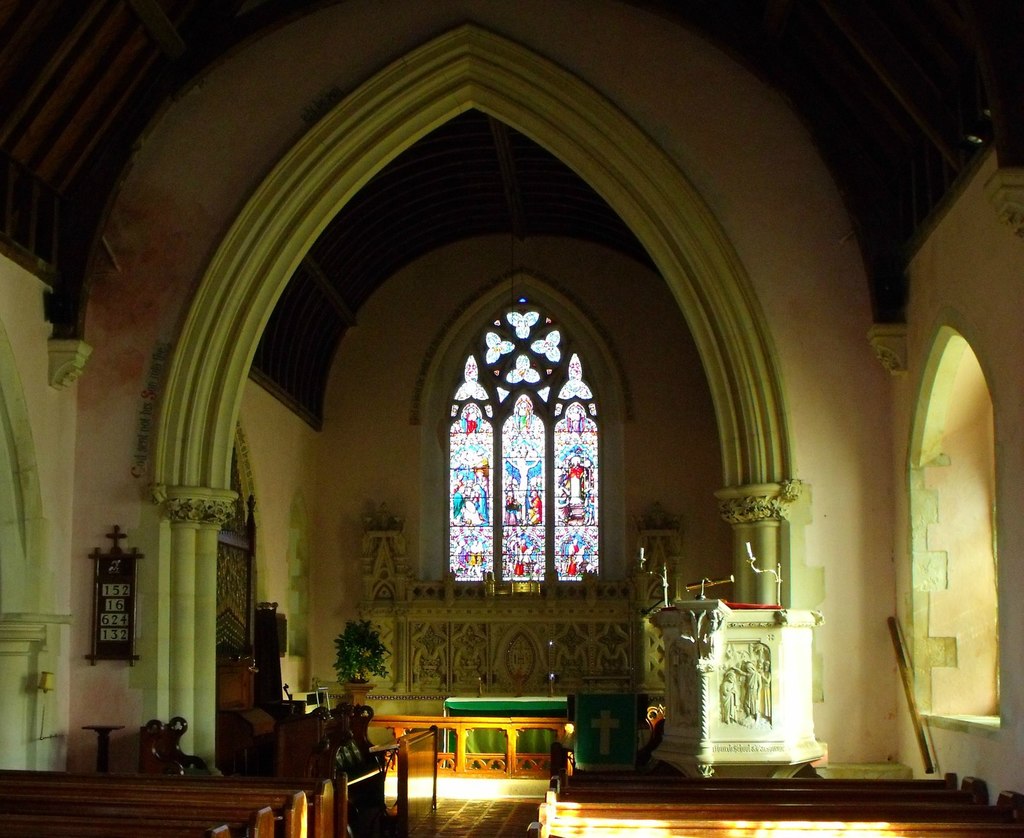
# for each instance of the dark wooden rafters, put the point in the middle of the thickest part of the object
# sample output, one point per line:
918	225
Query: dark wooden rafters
916	93
43	70
999	25
896	94
159	26
329	291
507	167
776	13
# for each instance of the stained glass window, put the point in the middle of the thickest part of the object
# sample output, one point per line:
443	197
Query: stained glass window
529	412
522	530
470	533
575	493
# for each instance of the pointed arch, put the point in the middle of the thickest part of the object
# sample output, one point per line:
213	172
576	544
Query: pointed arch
21	567
952	483
470	68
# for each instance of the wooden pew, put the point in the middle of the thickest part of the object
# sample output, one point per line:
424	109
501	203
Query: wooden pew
667	804
160	750
72	824
622	815
584	787
718	829
201	808
417	778
357	766
326	808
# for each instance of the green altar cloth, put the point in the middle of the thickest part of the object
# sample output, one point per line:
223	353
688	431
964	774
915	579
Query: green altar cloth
507	706
486	741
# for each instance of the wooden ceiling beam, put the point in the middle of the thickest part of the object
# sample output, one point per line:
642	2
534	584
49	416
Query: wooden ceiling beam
67	128
509	179
838	82
112	111
159	27
904	79
943	47
328	289
997	30
34	98
776	14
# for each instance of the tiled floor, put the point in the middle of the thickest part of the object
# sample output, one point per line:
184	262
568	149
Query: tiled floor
500	818
482	809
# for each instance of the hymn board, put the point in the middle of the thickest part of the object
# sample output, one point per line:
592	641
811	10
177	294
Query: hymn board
114	595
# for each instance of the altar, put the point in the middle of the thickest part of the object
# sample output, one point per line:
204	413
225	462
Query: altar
493	740
510	706
738	689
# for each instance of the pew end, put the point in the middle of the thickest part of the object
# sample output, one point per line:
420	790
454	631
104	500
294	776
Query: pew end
160	750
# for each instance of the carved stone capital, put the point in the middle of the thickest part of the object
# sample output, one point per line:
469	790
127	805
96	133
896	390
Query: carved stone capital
889	340
196	505
1005	190
67	361
762	502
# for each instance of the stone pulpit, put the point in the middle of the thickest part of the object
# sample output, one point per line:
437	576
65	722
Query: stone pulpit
738	689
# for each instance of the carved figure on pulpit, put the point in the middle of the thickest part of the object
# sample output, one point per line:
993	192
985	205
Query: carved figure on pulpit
730	698
685	705
755	689
747	671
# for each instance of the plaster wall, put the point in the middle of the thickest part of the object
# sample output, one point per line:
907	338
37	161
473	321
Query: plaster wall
284	454
200	161
43	423
371	453
966	274
37	426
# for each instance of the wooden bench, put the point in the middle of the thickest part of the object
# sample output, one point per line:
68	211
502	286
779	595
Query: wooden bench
160	749
350	759
658	828
326	807
654	811
200	809
417	779
72	824
635	786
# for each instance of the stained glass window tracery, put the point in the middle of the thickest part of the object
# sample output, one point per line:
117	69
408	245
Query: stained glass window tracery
523	464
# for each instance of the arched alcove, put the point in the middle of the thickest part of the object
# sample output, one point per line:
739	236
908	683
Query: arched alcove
952	500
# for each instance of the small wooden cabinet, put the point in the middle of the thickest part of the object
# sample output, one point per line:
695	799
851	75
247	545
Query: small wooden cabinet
235	680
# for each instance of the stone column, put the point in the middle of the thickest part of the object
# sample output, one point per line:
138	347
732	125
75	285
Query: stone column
755	513
196	516
693	649
19	648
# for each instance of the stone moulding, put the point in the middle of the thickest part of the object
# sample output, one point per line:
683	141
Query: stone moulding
66	361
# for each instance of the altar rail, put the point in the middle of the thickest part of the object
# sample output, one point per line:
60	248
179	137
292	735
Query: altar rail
510	763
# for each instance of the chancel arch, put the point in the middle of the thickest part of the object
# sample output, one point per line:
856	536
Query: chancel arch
953	537
464	68
29	628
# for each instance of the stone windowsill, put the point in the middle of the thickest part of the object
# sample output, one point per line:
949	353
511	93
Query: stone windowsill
965	723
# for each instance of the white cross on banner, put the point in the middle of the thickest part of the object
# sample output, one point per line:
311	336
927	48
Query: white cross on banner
606	730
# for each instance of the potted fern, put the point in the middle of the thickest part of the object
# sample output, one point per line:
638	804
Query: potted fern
360	654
